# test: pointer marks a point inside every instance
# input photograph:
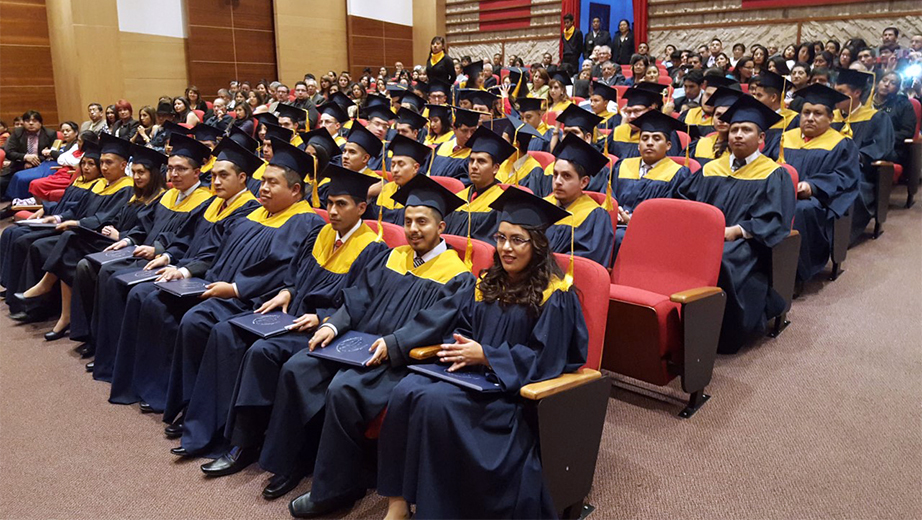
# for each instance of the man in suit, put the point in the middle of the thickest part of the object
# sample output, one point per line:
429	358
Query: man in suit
572	39
24	146
596	37
602	55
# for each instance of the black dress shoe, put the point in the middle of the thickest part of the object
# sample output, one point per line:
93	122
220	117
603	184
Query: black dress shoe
145	407
304	507
21	298
173	431
232	462
179	451
86	350
280	485
21	316
3	294
90	366
54	336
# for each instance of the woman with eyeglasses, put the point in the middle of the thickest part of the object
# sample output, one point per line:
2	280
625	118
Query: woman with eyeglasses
461	453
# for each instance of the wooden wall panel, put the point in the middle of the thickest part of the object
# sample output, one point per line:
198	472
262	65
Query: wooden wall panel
215	13
26	72
254	46
23	24
249	14
210	44
375	44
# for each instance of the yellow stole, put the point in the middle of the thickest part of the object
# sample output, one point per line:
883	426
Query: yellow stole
579	210
435	58
214	213
189	203
115	186
482	203
440	269
757	170
263	217
794	140
341	260
568	33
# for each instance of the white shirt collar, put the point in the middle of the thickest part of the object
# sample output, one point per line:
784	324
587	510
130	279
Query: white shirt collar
230	201
349	233
434	252
519	162
755	155
651	166
184	194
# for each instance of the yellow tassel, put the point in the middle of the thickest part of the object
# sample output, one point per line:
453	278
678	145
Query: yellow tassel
515	143
431	160
568	278
847	127
469	248
783	125
688	148
611	169
315	190
380	236
870	101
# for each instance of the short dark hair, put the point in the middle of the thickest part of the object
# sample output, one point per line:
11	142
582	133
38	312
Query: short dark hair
716	39
292	177
300	83
739	46
896	31
32	114
695	76
821	71
568	17
73	125
97	105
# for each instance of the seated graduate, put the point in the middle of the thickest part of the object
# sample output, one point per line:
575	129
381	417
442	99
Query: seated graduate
380	119
756	197
54	258
312	291
624	141
251	145
440	125
451	157
208	136
650	176
269	131
251	262
523	324
828	166
770	89
410	124
557	94
476	218
714	145
408	157
480	101
117	335
531	111
872	131
602	95
701	116
520	165
408	297
361	146
292	118
323	148
582	124
332	118
587	230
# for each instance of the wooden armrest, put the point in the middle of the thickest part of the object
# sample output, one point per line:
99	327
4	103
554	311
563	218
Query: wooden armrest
55	168
543	389
421	353
32	207
881	163
693	295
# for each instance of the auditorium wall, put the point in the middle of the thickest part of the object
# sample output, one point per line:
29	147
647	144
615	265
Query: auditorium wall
524	28
26	75
689	23
310	37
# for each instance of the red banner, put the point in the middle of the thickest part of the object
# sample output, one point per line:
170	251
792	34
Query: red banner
502	15
769	4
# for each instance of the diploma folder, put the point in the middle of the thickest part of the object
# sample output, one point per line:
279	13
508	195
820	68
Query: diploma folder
350	349
184	288
80	230
471	379
36	224
267	325
105	257
135	277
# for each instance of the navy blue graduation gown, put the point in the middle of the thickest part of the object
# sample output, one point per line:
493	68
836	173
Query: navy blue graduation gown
624	142
702	150
484	221
408	307
390	210
456	453
773	134
759	197
829	163
592	233
697	117
448	162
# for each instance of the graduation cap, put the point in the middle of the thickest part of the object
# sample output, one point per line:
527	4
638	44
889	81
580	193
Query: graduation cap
437	85
267	118
277	132
381	112
520	131
581	118
598	89
408	117
203	132
472	71
373	100
367	140
170	127
656	121
527	104
413	100
485	140
110	144
575	150
477	96
517	206
423	191
748	109
243	139
91	150
442	112
466	117
500	126
231	150
298	115
407	147
185	146
519	81
817	94
714	80
321	137
148	157
854	78
563	78
397	91
768	79
642	97
334	110
723	97
341	99
422	86
348	182
165	108
287	155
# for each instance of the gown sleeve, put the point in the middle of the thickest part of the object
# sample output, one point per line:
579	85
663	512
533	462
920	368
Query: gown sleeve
836	184
109	210
770	216
593	239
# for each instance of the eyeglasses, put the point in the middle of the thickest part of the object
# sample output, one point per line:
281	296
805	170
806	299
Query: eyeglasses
178	169
516	240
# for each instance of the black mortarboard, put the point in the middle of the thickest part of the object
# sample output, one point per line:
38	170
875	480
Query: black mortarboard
657	88
485	140
768	79
231	150
111	144
373	100
520	131
409	117
605	91
277	132
466	117
267	117
517	206
150	158
91	150
472	71
397	91
381	112
243	139
817	94
170	127
165	108
575	150
335	111
322	138
477	96
854	78
298	115
519	81
581	118
407	147
414	100
527	104
638	96
367	140
563	78
500	126
185	146
348	182
656	121
719	81
437	85
287	155
423	191
723	97
203	132
422	86
748	109
342	100
442	112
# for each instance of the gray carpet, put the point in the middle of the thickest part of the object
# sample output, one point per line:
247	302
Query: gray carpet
823	422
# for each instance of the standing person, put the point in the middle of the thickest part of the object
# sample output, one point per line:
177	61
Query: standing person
439	65
623	43
596	37
572	40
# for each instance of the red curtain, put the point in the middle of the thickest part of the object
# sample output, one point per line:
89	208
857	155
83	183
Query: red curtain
567	7
640	22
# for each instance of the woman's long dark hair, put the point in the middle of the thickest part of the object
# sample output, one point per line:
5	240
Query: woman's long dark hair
496	286
154	187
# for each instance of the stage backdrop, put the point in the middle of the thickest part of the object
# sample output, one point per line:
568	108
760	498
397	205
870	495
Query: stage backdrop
524	28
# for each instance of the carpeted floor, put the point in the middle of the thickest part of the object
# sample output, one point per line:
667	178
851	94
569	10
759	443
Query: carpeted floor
823	422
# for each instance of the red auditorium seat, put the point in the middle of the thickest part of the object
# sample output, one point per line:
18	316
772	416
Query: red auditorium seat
665	311
209	104
550	118
693	165
482	257
323	214
543	158
392	234
599	198
449	183
914	168
684	138
577	99
745	87
200	114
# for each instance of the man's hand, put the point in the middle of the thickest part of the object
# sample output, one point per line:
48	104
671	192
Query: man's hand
67	224
305	322
282	299
110	232
804	191
116	246
145	252
168	274
733	233
219	290
47	220
379	347
623	216
322	338
32	159
156	263
46	152
463	352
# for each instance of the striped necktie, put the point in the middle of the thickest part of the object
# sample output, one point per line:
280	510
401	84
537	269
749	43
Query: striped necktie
418	261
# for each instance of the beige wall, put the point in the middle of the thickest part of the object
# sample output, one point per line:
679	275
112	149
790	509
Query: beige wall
95	62
428	21
310	36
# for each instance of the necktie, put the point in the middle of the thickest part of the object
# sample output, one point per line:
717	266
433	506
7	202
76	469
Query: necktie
644	169
336	245
738	163
418	261
32	144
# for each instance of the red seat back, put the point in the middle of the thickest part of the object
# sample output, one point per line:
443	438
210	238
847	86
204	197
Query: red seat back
209	104
577	99
323	214
393	235
482	257
543	158
449	183
917	108
671	245
591	282
523	188
684	139
693	165
200	114
621	90
745	87
550	118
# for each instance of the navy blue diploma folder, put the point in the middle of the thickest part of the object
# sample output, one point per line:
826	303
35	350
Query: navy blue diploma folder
80	230
266	325
184	288
350	348
470	378
105	257
135	277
